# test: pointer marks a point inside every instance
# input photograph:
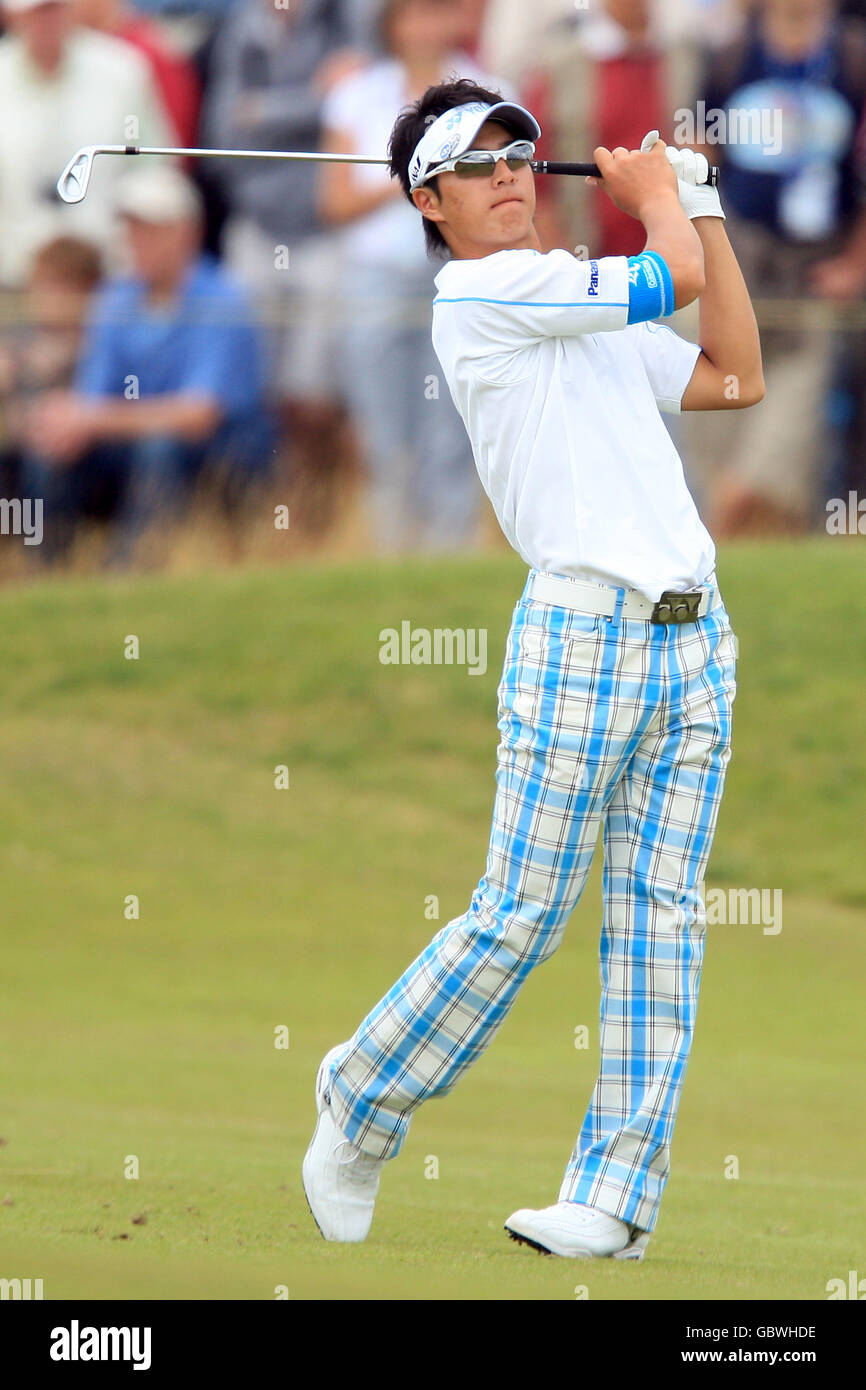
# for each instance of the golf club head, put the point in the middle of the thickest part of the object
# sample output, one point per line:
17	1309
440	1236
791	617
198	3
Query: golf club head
75	179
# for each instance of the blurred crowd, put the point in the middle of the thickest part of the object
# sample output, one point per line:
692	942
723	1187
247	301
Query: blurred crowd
252	329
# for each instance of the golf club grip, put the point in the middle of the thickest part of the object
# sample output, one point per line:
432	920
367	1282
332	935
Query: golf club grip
552	166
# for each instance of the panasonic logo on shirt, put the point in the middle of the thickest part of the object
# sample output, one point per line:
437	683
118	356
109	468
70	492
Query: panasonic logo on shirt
593	278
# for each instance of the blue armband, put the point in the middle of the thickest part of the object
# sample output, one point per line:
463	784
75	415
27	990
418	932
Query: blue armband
650	288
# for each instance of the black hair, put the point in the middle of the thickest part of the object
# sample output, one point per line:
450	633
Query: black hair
411	125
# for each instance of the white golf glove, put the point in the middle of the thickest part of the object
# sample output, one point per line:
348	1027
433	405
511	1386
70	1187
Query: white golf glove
697	197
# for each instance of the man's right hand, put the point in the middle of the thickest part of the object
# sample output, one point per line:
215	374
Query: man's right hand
636	179
57	425
643	184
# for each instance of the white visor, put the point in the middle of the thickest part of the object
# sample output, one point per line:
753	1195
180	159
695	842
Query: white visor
453	132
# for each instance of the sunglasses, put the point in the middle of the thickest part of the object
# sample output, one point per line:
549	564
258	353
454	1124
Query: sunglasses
480	164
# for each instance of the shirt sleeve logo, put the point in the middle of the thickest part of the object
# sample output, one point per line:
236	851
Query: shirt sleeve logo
642	270
592	288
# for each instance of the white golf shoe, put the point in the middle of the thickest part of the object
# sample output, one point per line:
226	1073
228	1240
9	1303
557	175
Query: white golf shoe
578	1232
340	1182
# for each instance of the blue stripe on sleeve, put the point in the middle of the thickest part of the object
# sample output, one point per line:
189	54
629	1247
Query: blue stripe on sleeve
651	287
533	303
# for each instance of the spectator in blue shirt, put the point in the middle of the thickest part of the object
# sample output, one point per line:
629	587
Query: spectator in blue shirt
170	382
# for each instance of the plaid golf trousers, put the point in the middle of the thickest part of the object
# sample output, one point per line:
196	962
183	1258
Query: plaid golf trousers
609	724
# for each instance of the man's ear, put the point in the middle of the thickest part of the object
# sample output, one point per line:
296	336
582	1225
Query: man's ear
427	203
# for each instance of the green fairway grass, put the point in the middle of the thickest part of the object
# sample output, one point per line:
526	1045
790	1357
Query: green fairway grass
153	1038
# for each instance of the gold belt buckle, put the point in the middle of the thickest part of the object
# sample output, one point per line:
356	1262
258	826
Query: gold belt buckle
677	608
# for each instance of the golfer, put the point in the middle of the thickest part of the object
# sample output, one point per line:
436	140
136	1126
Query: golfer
619	675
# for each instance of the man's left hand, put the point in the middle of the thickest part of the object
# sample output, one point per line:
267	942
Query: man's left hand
698	198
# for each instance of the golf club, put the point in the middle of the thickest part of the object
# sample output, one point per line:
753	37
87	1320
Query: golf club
73	183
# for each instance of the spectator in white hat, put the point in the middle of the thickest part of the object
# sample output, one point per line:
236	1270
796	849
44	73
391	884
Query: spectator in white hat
61	87
173	73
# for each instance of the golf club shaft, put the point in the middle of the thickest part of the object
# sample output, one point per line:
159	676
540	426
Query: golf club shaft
540	166
72	186
241	154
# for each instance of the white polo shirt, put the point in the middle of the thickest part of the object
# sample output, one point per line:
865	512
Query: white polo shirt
561	398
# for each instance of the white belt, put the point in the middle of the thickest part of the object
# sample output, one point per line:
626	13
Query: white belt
564	592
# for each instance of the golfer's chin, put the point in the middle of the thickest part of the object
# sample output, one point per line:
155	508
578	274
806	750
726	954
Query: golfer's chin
509	225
